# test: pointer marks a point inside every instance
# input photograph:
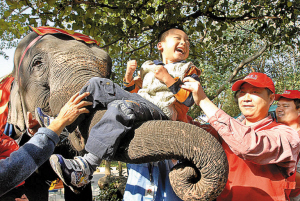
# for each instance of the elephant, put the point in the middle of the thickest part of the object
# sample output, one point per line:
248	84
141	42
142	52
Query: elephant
42	80
56	66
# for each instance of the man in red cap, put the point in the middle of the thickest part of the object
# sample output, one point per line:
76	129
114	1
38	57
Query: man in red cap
288	108
262	154
288	112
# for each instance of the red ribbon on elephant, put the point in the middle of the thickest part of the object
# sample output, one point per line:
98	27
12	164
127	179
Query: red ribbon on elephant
43	30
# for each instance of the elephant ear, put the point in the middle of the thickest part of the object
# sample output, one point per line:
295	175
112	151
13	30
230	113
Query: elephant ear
15	110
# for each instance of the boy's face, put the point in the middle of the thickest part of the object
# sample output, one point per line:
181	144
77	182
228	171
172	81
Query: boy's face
286	111
175	47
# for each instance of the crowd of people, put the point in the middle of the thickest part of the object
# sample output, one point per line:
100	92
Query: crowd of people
262	152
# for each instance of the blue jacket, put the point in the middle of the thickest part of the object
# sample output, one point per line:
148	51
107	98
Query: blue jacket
23	162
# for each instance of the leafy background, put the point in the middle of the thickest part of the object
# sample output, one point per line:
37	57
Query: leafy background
229	39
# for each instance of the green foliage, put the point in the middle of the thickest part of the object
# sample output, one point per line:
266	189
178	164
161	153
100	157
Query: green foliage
222	34
109	193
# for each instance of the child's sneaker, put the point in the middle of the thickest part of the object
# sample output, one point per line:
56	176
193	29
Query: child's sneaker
75	173
43	119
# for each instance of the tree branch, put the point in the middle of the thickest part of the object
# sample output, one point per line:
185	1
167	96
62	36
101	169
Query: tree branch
107	45
141	47
240	66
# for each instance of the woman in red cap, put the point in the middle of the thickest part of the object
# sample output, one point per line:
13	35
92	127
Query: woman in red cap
262	153
288	112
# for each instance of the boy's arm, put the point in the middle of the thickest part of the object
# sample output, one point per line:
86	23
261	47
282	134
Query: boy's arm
130	84
134	86
162	74
131	66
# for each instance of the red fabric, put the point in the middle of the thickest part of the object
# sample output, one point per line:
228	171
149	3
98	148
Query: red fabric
5	85
255	79
43	30
7	144
248	181
290	94
296	192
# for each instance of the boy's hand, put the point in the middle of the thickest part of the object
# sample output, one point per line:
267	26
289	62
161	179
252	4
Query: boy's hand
161	73
131	67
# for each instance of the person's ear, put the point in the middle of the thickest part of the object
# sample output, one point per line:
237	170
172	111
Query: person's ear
159	46
272	98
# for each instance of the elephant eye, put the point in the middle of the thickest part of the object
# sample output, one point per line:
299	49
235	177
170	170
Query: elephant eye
36	63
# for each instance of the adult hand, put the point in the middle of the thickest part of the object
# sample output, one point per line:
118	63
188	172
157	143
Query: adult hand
162	74
23	198
131	67
32	124
69	112
199	96
195	87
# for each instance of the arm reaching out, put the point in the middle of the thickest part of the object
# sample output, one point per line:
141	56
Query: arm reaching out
23	162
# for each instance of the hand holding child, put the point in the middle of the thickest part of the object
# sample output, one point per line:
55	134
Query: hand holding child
69	112
195	87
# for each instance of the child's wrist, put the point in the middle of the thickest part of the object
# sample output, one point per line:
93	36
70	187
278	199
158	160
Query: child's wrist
128	78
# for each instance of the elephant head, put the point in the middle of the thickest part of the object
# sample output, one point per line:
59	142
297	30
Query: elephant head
54	67
49	69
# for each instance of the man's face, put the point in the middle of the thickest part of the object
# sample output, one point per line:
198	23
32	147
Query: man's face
254	102
286	111
175	47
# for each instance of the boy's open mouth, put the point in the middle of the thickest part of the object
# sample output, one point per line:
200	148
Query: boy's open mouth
180	50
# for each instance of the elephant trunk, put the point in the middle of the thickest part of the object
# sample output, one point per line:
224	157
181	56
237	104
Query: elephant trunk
202	173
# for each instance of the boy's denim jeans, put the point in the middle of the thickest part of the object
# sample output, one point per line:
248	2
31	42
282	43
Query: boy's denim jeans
123	110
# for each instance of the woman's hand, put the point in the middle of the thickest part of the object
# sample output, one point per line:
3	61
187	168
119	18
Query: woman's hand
69	112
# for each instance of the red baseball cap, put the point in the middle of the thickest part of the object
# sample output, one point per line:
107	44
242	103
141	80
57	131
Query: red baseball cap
257	80
290	94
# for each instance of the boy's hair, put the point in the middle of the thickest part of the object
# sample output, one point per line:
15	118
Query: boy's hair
165	32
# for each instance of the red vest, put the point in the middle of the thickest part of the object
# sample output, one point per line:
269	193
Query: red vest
248	181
